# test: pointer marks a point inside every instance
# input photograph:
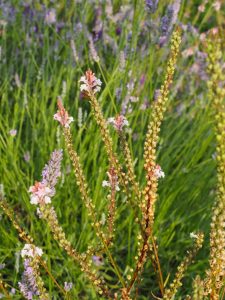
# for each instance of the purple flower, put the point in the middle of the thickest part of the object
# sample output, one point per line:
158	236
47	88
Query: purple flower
28	285
68	286
13	132
51	171
151	5
27	156
166	20
170	18
97	260
118	30
142	79
50	17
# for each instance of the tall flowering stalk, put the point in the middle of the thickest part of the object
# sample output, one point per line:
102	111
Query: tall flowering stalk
216	274
170	292
153	170
41	194
63	117
31	284
90	85
114	187
119	122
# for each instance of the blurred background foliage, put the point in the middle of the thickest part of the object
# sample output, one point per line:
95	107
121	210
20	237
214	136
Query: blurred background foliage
45	47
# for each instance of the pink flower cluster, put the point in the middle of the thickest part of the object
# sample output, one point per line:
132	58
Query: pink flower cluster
158	172
40	193
90	84
118	122
62	115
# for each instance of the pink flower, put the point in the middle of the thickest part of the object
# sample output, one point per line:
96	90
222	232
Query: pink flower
217	5
214	30
13	132
158	172
62	115
118	122
201	8
91	84
40	193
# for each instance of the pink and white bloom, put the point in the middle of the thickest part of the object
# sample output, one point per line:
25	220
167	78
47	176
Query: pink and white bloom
40	194
50	17
118	122
158	172
216	5
30	250
90	83
201	8
13	132
113	180
62	115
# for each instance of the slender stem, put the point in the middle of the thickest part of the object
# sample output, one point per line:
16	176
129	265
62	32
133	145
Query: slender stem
114	265
52	277
160	276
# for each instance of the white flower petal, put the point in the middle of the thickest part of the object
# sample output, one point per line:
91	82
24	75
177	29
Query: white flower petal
47	200
105	183
34	199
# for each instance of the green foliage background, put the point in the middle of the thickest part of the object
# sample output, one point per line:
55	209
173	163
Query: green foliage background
185	152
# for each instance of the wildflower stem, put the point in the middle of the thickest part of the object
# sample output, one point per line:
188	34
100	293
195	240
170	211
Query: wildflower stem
172	290
52	277
129	164
158	266
150	191
215	275
115	266
81	181
111	214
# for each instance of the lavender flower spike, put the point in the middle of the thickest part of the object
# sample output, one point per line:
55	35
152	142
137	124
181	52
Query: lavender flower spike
51	171
151	6
28	285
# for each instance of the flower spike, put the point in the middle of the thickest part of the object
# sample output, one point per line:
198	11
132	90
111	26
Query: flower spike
62	115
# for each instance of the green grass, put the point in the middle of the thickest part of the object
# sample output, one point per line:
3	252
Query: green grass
185	151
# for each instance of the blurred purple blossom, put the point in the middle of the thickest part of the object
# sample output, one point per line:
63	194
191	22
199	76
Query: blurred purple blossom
166	20
27	156
169	20
151	5
68	286
28	285
142	79
13	132
97	260
50	17
51	171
